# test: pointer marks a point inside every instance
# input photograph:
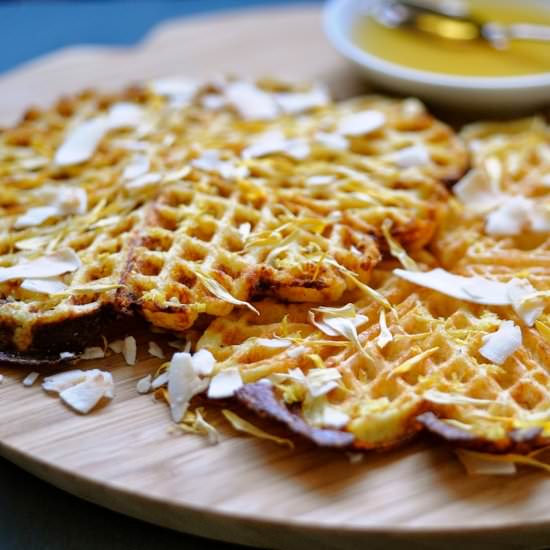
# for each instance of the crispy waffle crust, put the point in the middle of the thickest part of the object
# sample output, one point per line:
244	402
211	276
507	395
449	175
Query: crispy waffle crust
161	229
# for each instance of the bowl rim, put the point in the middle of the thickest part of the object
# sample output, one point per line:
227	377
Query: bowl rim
334	13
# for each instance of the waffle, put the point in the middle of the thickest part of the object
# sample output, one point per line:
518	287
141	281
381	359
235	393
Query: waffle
313	219
162	235
429	376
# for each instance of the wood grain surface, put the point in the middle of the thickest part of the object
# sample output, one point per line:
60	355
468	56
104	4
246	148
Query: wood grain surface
125	457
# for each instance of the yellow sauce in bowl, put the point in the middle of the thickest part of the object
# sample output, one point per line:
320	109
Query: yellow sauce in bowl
423	51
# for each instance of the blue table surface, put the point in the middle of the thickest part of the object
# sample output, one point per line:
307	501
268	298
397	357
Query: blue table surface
33	514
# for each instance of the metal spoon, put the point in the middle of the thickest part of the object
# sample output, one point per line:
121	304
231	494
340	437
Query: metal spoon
450	19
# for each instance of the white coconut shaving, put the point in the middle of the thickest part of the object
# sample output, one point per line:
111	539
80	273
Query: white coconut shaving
59	382
210	161
138	166
151	178
525	301
274	343
84	396
361	123
332	140
225	384
30	379
408	157
116	346
129	350
179	91
44	286
499	345
250	102
155	350
294	103
51	265
203	362
244	230
183	385
478	192
275	142
144	385
321	381
94	352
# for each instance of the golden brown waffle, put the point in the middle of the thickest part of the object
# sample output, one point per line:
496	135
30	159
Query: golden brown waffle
430	374
313	212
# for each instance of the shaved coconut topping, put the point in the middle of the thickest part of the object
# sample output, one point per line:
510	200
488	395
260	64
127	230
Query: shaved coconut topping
51	265
320	413
213	102
293	103
275	142
30	379
385	336
64	201
225	384
160	380
116	345
180	91
362	123
332	141
144	384
203	362
44	286
183	385
138	166
93	352
499	345
449	399
415	155
129	350
84	396
342	321
478	192
82	141
510	218
526	303
59	382
251	102
155	350
210	161
1	378
140	182
321	381
470	289
273	342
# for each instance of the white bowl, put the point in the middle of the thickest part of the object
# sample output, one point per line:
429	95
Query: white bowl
492	93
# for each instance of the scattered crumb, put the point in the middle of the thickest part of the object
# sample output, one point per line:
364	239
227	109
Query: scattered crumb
129	350
155	350
355	458
93	353
30	379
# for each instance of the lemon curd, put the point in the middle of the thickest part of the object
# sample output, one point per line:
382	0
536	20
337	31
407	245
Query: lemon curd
420	50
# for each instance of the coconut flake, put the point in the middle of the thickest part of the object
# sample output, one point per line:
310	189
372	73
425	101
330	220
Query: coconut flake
385	336
129	350
44	286
138	166
84	396
499	345
332	141
470	289
478	192
484	466
203	362
210	161
82	141
251	102
35	216
93	352
145	180
320	181
144	384
160	380
116	346
362	123
180	91
274	343
213	102
183	385
408	157
321	381
30	379
294	103
225	384
59	382
244	230
155	350
525	302
275	142
510	217
51	265
334	418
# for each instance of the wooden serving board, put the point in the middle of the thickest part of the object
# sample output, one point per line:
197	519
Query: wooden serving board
124	457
